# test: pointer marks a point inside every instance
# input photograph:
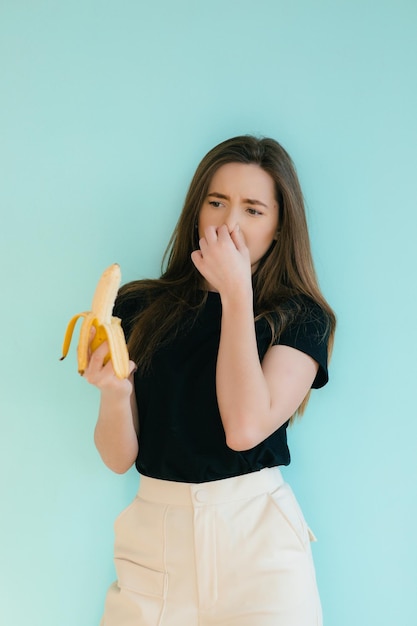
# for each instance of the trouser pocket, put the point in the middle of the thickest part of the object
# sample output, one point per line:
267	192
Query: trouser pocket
290	514
139	579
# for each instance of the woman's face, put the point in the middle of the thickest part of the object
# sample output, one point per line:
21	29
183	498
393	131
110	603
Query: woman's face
242	194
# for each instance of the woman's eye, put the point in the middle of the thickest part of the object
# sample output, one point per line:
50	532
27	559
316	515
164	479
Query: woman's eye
215	204
252	211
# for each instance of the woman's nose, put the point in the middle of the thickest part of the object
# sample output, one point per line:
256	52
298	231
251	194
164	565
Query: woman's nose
231	219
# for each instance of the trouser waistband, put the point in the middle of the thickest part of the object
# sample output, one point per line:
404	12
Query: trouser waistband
217	491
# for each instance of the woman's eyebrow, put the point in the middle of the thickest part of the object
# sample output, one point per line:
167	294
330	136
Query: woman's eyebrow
222	196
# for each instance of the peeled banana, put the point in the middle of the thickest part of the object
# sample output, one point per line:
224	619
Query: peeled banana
108	328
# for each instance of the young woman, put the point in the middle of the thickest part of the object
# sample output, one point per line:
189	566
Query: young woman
225	348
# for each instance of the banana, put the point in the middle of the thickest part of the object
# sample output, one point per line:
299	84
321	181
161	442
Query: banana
108	328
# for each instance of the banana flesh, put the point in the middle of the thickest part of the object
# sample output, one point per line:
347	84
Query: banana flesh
108	328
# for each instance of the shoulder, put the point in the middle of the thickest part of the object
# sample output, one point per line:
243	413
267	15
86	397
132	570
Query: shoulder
304	315
306	327
130	302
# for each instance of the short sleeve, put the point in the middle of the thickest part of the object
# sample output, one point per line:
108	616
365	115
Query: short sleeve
308	332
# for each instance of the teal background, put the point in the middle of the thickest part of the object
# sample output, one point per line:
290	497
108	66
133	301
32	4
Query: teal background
106	109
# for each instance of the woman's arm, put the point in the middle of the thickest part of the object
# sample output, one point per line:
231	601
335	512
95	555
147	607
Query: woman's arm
254	399
116	432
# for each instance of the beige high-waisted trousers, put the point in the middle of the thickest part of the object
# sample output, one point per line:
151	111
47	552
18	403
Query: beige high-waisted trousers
233	552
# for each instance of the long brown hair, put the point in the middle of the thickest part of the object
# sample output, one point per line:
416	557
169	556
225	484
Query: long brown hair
285	272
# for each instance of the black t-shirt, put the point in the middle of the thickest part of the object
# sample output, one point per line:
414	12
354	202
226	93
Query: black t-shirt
181	436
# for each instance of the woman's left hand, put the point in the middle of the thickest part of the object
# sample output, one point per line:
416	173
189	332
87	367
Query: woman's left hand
223	259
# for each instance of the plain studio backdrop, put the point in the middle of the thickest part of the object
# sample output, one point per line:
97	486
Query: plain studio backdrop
106	109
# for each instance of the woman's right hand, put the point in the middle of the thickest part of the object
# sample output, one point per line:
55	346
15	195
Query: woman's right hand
103	376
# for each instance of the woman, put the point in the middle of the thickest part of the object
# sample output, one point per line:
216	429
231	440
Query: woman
225	348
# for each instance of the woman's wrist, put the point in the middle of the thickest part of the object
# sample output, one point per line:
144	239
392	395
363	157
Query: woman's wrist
241	295
117	395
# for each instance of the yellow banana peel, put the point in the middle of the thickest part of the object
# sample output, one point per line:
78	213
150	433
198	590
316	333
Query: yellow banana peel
108	328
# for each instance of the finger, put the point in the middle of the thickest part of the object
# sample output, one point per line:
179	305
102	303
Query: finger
210	234
238	238
203	246
223	233
99	374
